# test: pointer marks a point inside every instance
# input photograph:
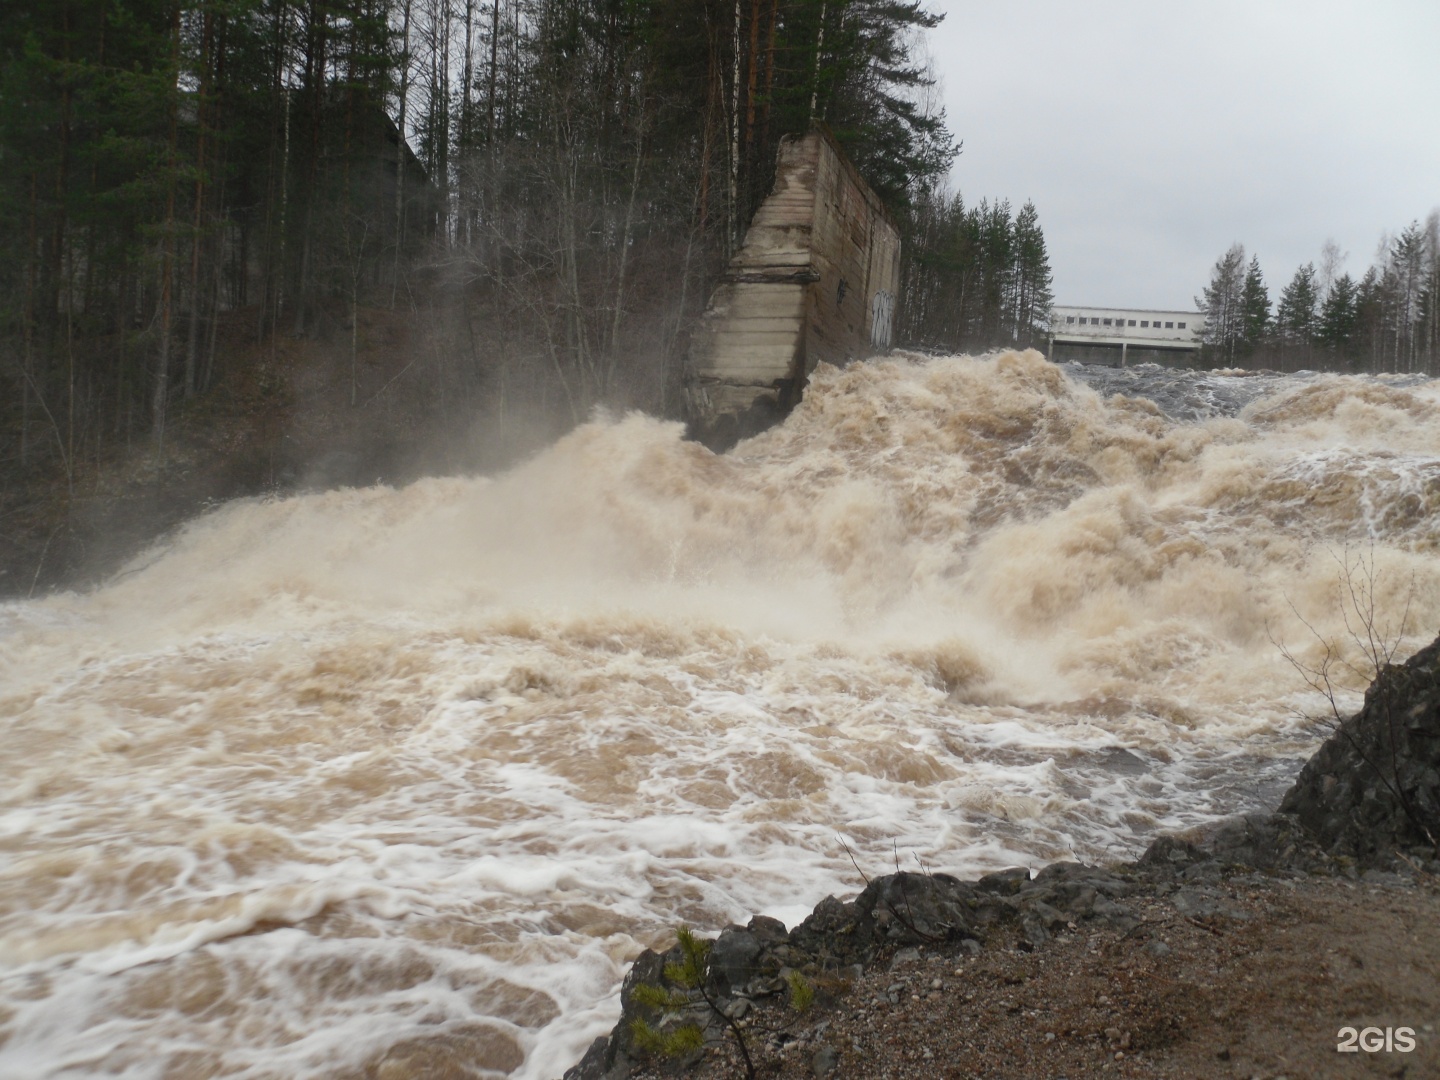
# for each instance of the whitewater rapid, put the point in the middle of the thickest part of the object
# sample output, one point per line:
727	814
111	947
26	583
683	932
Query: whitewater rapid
373	782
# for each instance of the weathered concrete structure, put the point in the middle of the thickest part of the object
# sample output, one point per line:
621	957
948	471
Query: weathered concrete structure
815	280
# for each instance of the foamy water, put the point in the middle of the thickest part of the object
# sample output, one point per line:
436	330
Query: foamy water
360	783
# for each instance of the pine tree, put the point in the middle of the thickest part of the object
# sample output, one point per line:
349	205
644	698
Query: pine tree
995	240
1221	304
868	84
1430	295
1373	301
1336	325
1033	296
1254	307
1295	314
973	278
1405	273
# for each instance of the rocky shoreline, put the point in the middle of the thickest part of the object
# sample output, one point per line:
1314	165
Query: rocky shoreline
1359	823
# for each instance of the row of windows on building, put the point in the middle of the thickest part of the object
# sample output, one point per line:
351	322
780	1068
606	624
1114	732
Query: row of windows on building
1121	322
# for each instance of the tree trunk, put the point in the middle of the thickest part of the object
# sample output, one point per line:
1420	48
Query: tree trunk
494	59
400	161
769	77
815	75
578	336
272	285
467	74
192	343
627	233
355	264
732	232
318	41
464	139
752	71
29	329
284	227
122	385
167	264
712	97
69	380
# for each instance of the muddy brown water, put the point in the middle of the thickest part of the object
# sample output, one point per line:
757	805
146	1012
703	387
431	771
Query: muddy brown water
335	772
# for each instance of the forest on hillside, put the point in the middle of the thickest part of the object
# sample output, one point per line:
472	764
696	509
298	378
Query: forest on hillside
265	229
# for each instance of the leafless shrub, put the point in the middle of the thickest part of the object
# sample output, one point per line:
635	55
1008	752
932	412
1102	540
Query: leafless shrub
1376	645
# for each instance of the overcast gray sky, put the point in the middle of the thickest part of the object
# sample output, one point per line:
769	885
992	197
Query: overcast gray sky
1152	135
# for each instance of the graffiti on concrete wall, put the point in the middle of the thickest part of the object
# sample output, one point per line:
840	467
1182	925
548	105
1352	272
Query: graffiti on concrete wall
882	312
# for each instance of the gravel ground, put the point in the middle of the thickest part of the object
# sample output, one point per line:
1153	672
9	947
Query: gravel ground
1256	980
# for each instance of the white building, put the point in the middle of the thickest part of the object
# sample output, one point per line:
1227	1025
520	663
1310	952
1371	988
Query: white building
1120	336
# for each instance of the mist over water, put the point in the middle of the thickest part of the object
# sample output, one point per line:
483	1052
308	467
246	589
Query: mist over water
369	775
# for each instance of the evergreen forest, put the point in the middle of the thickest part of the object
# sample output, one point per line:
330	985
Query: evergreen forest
1387	320
250	246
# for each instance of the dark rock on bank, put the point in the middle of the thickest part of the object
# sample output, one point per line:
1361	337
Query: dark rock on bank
736	958
841	939
611	1058
1260	841
1373	788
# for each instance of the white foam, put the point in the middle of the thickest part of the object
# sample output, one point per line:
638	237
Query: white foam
341	771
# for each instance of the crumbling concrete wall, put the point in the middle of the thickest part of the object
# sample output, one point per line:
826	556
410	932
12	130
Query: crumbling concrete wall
815	281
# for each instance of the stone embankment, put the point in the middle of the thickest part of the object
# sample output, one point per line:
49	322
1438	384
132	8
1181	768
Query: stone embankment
1173	934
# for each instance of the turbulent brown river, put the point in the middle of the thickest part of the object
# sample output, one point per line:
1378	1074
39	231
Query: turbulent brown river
354	783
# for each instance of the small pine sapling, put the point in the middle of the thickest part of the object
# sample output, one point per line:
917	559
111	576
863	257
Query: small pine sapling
802	993
689	973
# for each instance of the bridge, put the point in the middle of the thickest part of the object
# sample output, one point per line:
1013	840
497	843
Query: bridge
1121	336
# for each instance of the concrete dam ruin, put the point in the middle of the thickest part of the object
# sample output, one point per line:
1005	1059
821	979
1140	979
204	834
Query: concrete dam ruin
815	280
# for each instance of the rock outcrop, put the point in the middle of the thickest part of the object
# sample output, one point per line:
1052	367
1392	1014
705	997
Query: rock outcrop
1373	788
842	938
